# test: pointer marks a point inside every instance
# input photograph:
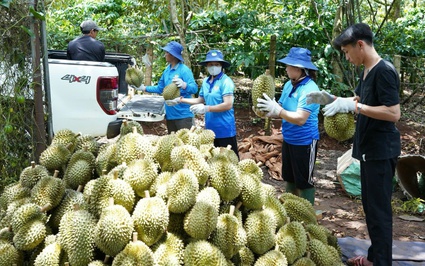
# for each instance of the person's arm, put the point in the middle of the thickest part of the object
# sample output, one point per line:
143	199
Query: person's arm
227	104
192	101
297	118
382	112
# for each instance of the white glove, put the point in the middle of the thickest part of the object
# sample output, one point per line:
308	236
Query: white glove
340	105
179	82
271	107
173	102
320	97
199	108
142	88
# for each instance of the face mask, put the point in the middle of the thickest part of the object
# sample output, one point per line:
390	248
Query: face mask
214	70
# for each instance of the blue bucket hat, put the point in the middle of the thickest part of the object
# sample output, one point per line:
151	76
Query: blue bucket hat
175	49
298	57
215	56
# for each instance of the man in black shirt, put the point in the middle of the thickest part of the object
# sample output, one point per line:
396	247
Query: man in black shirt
86	47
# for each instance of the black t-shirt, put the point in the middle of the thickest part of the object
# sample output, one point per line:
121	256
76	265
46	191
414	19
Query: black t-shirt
86	48
377	139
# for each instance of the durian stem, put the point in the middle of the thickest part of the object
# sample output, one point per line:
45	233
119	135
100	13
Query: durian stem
134	236
267	126
111	201
106	259
56	173
232	209
147	194
33	164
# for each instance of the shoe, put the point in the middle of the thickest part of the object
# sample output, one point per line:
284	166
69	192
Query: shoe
359	261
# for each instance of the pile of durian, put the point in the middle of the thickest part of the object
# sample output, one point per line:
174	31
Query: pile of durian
154	200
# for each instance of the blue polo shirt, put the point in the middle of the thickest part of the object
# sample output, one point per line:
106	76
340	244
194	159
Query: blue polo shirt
182	110
222	123
293	99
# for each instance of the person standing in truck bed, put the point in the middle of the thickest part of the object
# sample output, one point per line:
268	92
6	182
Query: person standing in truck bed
86	47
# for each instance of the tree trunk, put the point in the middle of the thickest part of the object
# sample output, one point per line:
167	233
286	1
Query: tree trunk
180	28
337	29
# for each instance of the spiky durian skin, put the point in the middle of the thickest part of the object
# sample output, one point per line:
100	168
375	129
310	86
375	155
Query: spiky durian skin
286	244
304	261
48	190
49	256
150	218
250	166
319	253
252	194
140	174
97	263
206	136
295	230
260	227
88	143
122	192
164	146
201	220
135	253
203	253
225	178
31	174
272	258
9	254
80	169
55	157
12	192
169	250
262	84
133	146
113	230
6	219
76	236
298	209
244	257
26	214
106	159
159	185
340	126
272	203
71	198
209	195
318	232
229	235
189	157
182	190
30	235
171	91
128	127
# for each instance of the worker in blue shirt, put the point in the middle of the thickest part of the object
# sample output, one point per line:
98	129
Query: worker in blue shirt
215	100
179	116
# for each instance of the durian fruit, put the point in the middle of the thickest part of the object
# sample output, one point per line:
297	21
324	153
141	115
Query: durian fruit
249	166
201	220
340	126
55	157
260	227
318	232
273	204
121	191
105	159
31	174
67	138
89	142
134	76
133	146
48	191
114	229
150	218
50	255
298	209
262	84
159	185
296	231
189	157
272	258
171	91
320	254
29	226
182	190
140	174
127	127
304	261
70	198
135	253
97	263
206	136
76	236
211	196
203	253
80	168
252	194
169	250
229	235
225	153
164	146
244	257
225	178
176	226
12	192
9	254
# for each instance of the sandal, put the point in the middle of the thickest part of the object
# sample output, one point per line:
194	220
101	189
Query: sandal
358	261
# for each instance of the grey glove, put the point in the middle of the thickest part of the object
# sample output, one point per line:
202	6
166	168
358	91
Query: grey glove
142	88
199	108
270	106
320	97
179	83
173	102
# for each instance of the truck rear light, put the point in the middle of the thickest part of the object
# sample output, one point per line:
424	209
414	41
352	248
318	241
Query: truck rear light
107	94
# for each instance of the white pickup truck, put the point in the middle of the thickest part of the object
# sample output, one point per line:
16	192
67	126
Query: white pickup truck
93	97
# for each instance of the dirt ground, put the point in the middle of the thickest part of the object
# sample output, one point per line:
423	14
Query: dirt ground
340	213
